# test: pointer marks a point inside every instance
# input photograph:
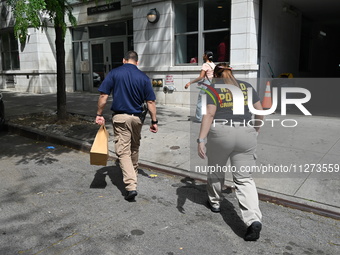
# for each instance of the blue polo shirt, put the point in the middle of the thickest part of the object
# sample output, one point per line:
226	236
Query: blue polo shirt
130	87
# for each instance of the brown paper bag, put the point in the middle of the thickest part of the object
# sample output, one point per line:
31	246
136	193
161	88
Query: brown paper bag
100	150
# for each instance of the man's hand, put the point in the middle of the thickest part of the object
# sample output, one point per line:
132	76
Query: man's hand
154	128
100	120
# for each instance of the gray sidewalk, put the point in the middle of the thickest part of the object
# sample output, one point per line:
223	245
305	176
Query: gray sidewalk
302	157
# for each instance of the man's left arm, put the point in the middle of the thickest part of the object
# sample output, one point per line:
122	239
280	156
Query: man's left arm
152	111
100	120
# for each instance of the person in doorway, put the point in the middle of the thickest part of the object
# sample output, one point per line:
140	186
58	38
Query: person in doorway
130	88
206	74
224	136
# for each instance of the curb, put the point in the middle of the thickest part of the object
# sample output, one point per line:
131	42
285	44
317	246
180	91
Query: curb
86	147
40	136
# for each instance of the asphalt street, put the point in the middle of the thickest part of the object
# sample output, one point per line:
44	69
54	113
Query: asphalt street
54	202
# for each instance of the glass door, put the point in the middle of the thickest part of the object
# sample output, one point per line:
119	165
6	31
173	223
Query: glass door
106	55
97	63
81	66
117	50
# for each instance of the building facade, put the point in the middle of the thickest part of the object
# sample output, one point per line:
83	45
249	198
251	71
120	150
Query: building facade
259	38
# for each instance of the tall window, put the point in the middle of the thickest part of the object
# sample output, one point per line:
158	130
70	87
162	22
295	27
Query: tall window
9	51
202	25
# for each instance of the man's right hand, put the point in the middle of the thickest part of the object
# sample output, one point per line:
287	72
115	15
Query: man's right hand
100	120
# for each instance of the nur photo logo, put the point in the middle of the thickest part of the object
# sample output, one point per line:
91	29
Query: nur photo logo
239	98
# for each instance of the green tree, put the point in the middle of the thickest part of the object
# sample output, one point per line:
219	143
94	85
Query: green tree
31	13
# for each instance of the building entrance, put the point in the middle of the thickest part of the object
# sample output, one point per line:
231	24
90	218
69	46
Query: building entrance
97	49
105	55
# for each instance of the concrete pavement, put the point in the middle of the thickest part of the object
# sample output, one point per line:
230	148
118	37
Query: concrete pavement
297	166
53	202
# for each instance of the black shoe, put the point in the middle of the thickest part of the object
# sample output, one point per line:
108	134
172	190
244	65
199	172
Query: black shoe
130	195
213	209
253	231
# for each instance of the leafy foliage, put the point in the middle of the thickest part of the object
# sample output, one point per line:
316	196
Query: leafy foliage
35	13
32	13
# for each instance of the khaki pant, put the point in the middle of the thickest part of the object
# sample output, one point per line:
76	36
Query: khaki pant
239	145
127	135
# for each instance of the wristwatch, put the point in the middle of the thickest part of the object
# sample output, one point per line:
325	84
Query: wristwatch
154	122
199	140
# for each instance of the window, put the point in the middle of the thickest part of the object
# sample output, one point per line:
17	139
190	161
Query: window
202	25
104	30
9	52
107	30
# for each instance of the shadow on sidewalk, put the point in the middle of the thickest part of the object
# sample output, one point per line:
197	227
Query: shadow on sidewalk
197	194
115	175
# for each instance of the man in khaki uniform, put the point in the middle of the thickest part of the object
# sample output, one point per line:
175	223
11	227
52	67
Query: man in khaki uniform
130	88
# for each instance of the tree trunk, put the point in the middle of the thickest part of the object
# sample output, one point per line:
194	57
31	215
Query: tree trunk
61	83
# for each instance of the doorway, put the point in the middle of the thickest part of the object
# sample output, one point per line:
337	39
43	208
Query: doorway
105	55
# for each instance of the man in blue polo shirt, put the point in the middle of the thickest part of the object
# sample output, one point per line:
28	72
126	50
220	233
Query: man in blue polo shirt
130	88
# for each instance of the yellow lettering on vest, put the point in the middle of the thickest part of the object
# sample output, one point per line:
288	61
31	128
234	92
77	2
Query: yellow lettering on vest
243	87
224	105
245	95
228	97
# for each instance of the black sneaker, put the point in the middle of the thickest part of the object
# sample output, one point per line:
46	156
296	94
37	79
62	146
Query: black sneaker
130	195
253	231
212	208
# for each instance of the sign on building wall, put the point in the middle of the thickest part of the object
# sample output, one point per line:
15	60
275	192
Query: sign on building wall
84	66
169	80
103	8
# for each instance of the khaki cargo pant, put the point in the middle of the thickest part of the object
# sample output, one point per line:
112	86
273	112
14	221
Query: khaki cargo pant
127	135
239	145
